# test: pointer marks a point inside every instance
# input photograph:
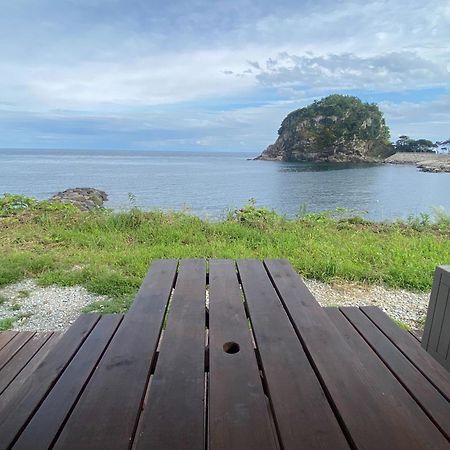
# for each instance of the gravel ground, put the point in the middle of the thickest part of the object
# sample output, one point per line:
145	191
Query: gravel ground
55	308
407	307
43	308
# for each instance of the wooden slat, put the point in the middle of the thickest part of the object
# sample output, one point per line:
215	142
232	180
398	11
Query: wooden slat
107	412
238	411
437	326
173	417
13	346
439	343
411	349
302	411
416	335
15	413
45	424
432	306
425	394
21	358
5	337
375	410
10	392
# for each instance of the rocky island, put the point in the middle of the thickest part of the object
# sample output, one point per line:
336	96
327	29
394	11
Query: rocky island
337	128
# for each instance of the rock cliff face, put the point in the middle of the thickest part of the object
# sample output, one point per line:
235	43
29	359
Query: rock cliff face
337	128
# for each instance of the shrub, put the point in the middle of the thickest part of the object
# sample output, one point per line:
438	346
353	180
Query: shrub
12	204
255	217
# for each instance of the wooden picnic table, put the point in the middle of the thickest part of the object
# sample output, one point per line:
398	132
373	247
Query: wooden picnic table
223	355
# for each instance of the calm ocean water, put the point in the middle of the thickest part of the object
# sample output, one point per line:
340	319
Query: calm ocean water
210	183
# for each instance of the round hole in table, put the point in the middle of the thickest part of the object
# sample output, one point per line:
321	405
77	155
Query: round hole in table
231	347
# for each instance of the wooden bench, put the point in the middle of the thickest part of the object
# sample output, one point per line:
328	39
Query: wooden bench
436	335
231	355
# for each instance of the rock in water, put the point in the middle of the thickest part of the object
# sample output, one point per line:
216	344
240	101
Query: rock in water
85	199
337	128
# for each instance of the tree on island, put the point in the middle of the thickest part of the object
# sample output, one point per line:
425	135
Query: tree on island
337	128
406	144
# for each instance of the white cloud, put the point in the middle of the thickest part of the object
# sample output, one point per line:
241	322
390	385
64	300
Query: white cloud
418	120
162	79
390	71
135	65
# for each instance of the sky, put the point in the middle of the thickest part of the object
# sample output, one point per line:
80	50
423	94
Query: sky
213	75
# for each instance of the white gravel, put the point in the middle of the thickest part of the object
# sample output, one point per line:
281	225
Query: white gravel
407	307
43	308
55	308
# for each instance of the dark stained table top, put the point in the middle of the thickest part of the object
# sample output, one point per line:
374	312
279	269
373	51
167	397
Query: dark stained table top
223	354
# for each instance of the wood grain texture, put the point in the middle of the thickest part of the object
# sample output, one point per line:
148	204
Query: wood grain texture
5	337
21	359
430	368
238	411
15	414
424	393
13	346
107	412
9	393
375	409
173	416
436	339
302	411
46	422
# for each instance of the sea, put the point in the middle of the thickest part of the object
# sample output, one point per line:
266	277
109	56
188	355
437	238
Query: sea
212	184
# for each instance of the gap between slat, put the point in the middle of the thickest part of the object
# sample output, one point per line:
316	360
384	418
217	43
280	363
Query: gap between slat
322	383
406	356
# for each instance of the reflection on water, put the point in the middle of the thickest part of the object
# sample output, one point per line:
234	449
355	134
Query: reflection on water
321	166
211	183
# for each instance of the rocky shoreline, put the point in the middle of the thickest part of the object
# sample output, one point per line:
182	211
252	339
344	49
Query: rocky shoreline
426	162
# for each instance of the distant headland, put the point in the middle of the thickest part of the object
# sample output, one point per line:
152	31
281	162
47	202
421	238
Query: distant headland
341	128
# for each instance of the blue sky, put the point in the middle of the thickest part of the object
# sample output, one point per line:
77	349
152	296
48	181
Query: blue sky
213	75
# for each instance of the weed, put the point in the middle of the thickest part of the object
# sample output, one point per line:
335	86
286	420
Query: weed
113	251
402	325
253	216
23	293
118	305
7	323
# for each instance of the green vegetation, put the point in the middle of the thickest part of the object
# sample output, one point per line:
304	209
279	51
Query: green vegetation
340	120
6	324
23	294
406	144
12	204
109	253
402	325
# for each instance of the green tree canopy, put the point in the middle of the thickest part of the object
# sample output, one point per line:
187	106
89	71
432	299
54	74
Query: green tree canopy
406	144
342	117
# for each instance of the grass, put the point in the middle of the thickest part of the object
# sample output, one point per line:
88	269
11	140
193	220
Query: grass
402	325
6	324
109	253
23	293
